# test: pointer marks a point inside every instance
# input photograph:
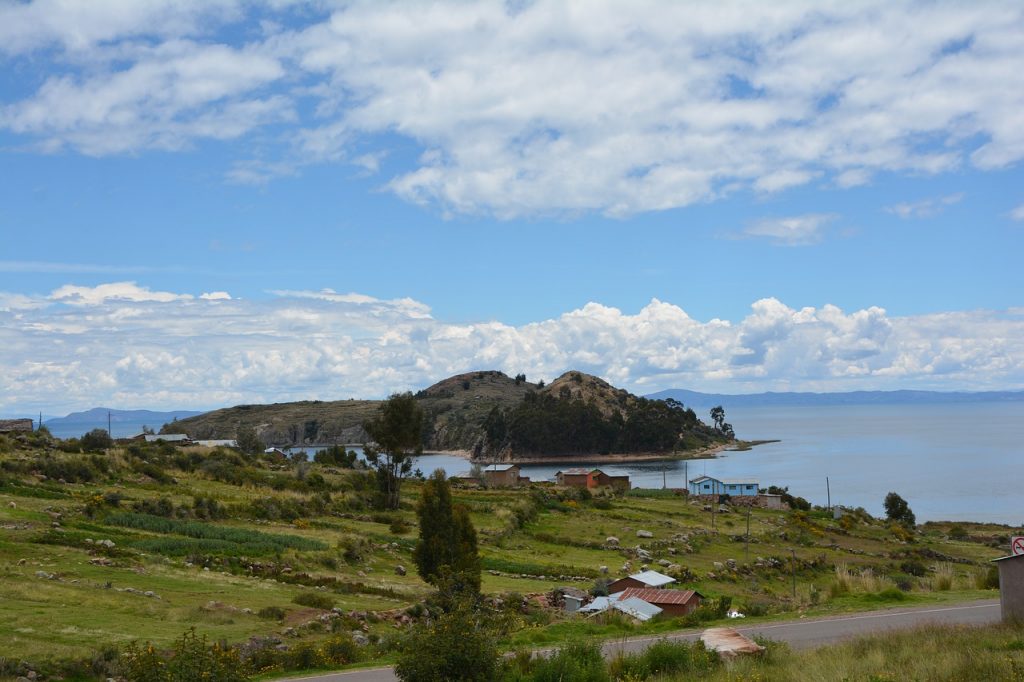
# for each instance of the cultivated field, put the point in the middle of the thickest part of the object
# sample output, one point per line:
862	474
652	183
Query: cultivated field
144	542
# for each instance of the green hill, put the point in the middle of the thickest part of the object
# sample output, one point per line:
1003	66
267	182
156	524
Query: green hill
486	413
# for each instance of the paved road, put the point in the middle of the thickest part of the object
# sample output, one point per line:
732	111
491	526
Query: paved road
799	634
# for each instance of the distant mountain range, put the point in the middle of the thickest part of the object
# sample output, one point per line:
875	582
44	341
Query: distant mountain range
123	423
694	398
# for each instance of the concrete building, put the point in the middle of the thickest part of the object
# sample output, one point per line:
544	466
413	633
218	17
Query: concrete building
16	425
644	579
1011	587
737	487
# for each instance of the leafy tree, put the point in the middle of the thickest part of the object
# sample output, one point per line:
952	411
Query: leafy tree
897	510
495	428
718	416
447	547
397	433
96	440
248	441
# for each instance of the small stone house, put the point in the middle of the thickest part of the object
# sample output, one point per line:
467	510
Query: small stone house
16	425
502	476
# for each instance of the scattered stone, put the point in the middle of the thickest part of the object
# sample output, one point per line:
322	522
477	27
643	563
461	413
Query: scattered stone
45	576
644	534
731	563
719	566
664	562
400	570
22	562
611	540
603	570
12	505
360	638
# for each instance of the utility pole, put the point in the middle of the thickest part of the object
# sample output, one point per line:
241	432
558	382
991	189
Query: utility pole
664	480
109	432
828	492
40	419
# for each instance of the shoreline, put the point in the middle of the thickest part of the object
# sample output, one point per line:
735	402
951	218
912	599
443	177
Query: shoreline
617	458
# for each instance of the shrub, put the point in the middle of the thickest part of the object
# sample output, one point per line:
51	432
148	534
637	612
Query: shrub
271	613
460	645
192	658
958	532
574	661
399	526
314	600
96	440
987	578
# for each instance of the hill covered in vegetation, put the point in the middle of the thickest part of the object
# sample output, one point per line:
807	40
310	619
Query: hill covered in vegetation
488	414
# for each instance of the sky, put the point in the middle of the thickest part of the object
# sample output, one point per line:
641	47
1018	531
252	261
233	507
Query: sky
218	202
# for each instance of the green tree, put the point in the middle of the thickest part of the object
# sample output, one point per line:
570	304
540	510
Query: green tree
446	553
897	510
397	434
718	416
495	428
248	441
96	440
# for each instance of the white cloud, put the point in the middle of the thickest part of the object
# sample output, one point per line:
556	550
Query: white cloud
132	346
792	231
115	291
542	107
926	208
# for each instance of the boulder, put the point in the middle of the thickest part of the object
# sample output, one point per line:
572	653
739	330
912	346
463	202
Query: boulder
603	570
611	540
664	562
400	570
644	534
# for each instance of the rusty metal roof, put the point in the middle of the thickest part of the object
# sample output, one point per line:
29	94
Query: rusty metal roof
656	596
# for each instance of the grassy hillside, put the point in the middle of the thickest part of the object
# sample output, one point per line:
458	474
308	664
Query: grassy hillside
456	411
144	542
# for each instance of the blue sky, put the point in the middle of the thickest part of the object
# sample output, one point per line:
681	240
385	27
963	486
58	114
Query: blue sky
218	202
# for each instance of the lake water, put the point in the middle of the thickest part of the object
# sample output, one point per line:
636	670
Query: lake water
950	462
961	461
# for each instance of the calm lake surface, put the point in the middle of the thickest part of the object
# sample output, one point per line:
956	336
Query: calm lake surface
960	461
950	462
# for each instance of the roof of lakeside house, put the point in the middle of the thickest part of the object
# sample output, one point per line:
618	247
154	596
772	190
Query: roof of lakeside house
501	467
653	578
728	481
656	596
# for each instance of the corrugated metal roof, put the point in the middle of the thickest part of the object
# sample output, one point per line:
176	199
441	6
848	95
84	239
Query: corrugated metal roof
501	467
599	604
653	578
656	596
576	471
169	437
638	608
740	481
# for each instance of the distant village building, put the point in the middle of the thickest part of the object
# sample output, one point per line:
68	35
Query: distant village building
503	476
1011	587
495	476
168	438
769	501
579	477
736	487
15	425
672	602
643	579
218	443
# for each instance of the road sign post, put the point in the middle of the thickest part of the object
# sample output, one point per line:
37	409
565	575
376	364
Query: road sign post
1017	545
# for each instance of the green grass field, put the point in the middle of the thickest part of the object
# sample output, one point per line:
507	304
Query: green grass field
282	530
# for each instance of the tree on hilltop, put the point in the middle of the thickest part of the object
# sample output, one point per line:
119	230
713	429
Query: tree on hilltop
897	510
